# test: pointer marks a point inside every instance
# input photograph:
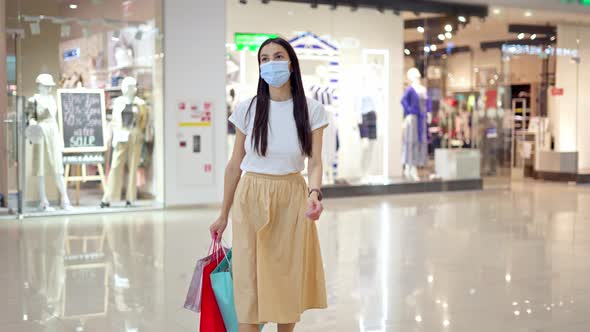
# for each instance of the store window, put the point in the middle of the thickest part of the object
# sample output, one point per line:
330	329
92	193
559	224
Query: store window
383	77
349	62
512	95
439	61
85	89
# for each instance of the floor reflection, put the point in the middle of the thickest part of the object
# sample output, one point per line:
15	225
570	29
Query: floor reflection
489	261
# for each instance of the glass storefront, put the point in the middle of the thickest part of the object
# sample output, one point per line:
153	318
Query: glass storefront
510	96
390	110
85	96
412	97
349	68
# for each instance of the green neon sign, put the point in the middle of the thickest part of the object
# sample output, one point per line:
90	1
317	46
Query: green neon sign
581	2
251	41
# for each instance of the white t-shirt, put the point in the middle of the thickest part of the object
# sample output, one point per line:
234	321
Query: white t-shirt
283	154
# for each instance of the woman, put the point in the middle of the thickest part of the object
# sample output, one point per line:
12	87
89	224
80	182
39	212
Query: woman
277	265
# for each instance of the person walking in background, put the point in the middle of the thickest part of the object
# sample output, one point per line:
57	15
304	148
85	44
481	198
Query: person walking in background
277	264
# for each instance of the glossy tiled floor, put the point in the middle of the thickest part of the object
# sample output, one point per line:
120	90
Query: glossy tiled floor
492	261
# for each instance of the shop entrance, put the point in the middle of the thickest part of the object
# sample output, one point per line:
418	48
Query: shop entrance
83	131
512	94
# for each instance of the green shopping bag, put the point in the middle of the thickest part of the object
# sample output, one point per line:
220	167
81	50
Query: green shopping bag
223	288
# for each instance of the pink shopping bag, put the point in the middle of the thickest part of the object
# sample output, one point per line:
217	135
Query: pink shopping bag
194	294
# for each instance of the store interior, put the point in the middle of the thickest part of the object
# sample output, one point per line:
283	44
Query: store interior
500	85
85	96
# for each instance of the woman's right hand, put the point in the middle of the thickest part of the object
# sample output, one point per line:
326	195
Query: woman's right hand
217	228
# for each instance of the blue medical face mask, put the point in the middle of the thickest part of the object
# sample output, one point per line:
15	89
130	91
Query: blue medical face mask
275	73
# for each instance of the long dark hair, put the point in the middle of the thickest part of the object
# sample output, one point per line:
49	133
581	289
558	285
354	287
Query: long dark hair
300	109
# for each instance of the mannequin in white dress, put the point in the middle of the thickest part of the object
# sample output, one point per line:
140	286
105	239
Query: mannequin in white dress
47	150
367	118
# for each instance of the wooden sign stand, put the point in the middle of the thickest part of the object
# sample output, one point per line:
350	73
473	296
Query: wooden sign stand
81	172
82	119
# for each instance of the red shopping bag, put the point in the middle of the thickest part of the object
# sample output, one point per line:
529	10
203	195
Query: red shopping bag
193	296
211	319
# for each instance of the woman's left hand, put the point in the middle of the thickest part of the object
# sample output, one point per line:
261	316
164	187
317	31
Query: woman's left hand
314	207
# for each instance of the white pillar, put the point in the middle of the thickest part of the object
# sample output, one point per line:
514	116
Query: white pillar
573	108
194	51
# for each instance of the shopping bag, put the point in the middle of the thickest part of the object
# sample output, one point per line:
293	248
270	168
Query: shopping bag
222	283
193	296
211	319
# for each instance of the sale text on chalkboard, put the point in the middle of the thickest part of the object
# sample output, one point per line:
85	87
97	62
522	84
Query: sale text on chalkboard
82	119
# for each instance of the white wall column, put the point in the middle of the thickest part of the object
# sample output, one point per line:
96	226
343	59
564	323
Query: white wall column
194	70
573	108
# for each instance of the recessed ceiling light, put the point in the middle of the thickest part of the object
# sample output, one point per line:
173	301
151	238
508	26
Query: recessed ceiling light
407	52
426	49
418	318
462	19
528	13
420	29
496	11
433	48
552	38
533	36
448	28
441	37
449	35
73	6
521	35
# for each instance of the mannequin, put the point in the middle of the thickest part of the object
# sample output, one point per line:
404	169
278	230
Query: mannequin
367	125
47	151
129	123
415	137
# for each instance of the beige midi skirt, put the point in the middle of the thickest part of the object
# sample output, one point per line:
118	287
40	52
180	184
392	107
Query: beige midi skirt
277	264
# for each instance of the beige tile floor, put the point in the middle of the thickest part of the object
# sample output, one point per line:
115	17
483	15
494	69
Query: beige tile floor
490	261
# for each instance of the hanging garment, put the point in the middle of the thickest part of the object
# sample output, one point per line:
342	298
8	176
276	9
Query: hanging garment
325	95
330	144
368	126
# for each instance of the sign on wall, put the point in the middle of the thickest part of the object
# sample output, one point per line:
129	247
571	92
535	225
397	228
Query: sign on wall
557	91
82	119
251	41
195	143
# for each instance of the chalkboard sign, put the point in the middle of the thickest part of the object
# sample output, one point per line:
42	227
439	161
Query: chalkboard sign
82	120
86	291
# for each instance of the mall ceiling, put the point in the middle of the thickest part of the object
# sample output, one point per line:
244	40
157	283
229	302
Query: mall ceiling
397	6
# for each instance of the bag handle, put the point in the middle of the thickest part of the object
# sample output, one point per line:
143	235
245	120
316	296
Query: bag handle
210	251
225	255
